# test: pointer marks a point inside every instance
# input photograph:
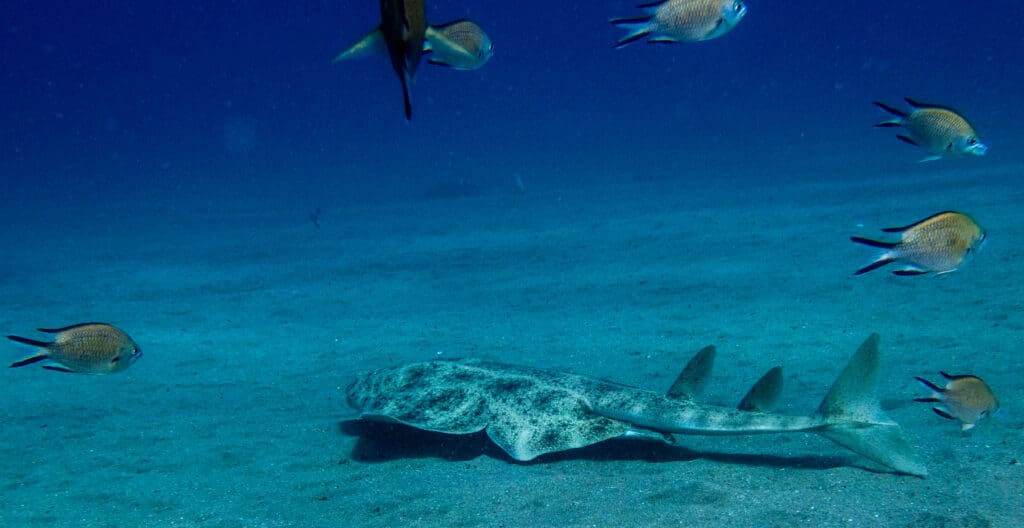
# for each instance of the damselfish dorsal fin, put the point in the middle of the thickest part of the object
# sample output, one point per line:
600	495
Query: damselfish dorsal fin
694	376
765	393
919	222
918	104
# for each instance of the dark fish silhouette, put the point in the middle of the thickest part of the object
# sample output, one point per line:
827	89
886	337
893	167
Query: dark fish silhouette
403	29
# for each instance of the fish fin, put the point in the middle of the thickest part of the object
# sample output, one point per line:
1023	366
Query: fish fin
874	243
59	369
407	95
930	385
440	44
636	28
30	360
71	327
763	395
943	413
436	62
926	159
663	40
967	426
649	5
875	265
890	123
892	110
952	377
919	222
910	272
856	420
927	400
371	44
907	139
29	342
450	23
694	377
918	104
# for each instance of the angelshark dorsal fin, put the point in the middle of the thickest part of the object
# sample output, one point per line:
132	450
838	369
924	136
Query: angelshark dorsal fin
763	395
694	376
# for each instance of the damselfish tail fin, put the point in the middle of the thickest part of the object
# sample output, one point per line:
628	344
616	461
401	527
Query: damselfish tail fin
882	260
636	29
855	418
900	115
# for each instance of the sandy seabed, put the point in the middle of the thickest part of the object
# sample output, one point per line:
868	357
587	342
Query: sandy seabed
253	322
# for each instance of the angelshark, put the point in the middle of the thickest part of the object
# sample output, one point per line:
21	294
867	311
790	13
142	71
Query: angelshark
529	412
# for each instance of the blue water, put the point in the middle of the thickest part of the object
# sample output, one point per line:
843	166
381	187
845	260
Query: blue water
200	101
159	163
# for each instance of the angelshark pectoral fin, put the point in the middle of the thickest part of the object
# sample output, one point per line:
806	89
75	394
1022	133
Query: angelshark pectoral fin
371	44
855	419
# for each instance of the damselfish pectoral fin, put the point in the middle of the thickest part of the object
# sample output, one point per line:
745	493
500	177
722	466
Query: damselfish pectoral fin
60	369
371	44
440	44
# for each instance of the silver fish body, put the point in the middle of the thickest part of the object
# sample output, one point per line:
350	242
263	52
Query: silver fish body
460	45
682	21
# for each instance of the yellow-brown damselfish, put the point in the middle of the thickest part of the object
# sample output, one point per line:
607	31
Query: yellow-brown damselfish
681	20
938	129
965	398
90	348
938	244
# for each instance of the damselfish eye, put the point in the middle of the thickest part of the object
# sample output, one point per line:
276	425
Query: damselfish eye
974	141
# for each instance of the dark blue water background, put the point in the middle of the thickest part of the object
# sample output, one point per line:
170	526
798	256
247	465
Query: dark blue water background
220	104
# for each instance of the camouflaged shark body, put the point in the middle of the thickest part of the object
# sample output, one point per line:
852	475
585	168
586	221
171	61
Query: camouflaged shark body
529	412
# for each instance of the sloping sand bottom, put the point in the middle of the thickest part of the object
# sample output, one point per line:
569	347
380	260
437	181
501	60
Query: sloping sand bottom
253	322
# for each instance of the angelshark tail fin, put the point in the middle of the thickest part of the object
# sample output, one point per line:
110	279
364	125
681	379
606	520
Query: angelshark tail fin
855	419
